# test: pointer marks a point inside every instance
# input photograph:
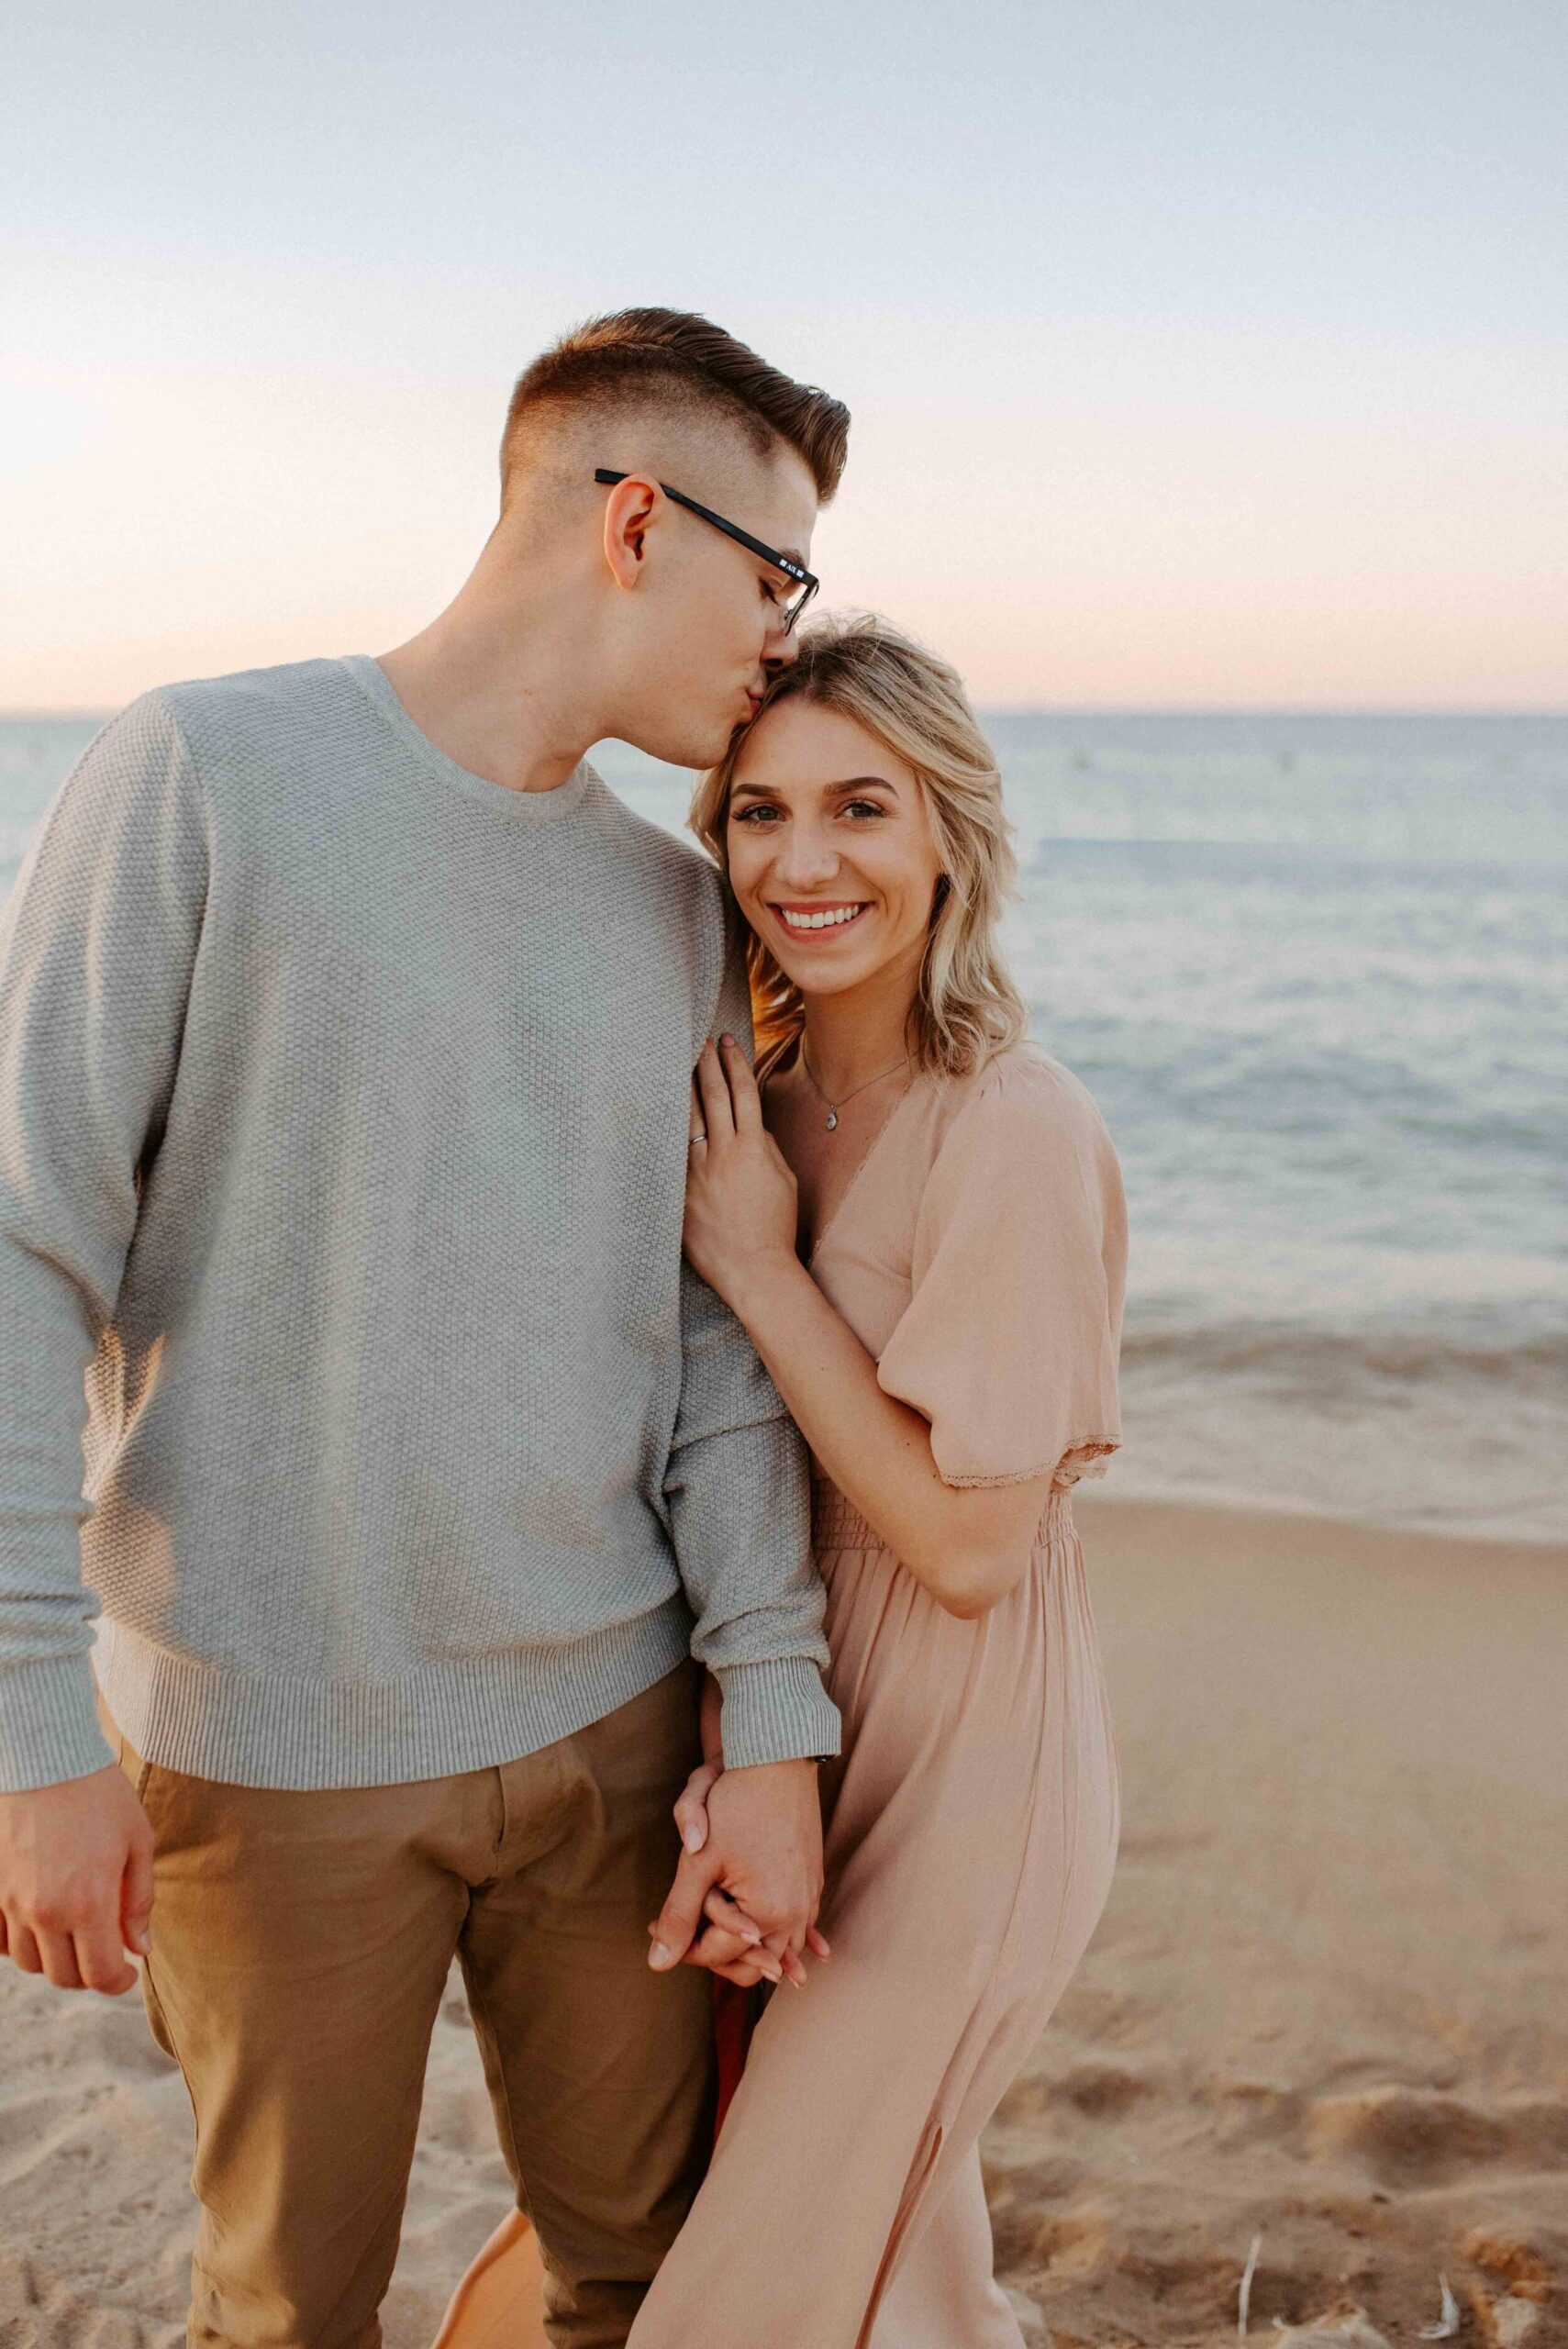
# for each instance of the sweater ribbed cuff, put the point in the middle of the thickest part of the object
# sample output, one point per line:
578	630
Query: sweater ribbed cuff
49	1723
777	1711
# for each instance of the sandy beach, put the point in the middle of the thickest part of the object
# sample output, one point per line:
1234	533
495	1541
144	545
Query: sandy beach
1326	2006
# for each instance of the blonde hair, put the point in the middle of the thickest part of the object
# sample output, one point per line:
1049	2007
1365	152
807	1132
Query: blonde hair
966	1008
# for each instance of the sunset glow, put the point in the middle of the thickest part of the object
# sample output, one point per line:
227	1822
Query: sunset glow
1197	357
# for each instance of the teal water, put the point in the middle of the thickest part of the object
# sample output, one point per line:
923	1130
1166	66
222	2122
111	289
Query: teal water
1312	969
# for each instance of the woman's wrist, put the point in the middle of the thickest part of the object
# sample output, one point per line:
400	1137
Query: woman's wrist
761	1284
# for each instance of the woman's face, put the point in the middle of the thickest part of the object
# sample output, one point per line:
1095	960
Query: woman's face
830	850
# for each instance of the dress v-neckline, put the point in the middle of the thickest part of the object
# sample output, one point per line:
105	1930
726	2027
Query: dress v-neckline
865	1158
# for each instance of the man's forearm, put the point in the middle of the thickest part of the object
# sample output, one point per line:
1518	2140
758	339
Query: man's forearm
48	1730
740	1507
97	944
741	1512
740	1518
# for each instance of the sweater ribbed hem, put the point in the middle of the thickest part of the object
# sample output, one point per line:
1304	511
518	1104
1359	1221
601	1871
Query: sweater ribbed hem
777	1711
49	1723
300	1734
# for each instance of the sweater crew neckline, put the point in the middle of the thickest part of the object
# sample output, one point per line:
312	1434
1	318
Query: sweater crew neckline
515	807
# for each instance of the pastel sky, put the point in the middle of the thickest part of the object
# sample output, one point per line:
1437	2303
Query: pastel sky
1202	352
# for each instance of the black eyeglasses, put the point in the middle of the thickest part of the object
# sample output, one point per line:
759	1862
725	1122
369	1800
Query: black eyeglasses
806	581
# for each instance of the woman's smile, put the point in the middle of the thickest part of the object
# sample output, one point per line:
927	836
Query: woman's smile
828	848
805	918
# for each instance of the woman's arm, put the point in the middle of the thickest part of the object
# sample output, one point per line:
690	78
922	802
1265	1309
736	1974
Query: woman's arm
968	1545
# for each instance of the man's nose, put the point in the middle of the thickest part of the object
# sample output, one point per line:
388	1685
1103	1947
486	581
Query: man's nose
781	650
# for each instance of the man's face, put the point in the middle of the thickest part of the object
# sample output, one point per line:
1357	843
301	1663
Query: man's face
704	628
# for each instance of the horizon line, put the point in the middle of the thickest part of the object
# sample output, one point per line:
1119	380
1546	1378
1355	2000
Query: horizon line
101	714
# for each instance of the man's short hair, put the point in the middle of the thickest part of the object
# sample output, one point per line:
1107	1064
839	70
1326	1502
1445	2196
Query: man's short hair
633	357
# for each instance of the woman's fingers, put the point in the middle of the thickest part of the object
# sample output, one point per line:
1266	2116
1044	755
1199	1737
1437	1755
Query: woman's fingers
696	1127
816	1944
744	1973
691	1806
679	1922
786	1949
716	1949
781	1163
745	1099
718	1116
719	1910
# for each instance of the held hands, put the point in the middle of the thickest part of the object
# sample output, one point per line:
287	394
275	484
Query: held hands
77	1881
751	1867
731	1943
741	1193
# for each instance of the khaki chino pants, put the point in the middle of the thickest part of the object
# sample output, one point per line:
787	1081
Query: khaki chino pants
300	1946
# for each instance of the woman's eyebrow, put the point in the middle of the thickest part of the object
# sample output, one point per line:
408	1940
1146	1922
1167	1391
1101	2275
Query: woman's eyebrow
852	783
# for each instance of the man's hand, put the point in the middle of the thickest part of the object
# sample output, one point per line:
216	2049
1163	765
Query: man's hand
763	1853
730	1943
77	1881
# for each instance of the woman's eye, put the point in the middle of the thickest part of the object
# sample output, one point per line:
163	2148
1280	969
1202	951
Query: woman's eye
752	815
864	808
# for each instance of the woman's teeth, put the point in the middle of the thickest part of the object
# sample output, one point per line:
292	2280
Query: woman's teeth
831	919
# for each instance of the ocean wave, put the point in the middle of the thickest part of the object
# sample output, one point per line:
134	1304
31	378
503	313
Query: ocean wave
1407	1351
1312	970
1320	1358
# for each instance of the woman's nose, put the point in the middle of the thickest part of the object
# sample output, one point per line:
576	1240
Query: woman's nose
806	859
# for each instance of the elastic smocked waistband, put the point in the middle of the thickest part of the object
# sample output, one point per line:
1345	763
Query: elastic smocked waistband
837	1524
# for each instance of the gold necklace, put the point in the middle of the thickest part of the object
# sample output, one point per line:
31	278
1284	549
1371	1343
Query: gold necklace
834	1107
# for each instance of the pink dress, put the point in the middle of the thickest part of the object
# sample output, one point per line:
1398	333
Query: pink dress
972	1818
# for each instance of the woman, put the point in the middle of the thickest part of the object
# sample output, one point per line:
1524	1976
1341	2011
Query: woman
920	1220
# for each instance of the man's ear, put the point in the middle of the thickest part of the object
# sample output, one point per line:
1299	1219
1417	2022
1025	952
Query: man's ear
630	510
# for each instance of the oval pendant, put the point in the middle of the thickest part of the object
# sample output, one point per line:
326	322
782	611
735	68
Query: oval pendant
832	1119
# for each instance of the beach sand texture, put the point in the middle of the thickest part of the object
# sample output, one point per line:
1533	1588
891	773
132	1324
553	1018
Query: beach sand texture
1327	2002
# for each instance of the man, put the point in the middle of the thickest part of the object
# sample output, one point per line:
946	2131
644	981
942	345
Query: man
346	1029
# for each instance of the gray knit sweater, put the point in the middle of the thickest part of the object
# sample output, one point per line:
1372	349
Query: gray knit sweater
343	1103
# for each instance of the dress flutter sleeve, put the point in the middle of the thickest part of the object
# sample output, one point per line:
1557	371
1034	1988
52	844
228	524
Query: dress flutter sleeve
1008	1345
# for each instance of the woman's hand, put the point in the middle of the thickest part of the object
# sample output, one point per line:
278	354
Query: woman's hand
691	1810
731	1943
740	1194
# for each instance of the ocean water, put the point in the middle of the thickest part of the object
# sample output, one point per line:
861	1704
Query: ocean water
1313	968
